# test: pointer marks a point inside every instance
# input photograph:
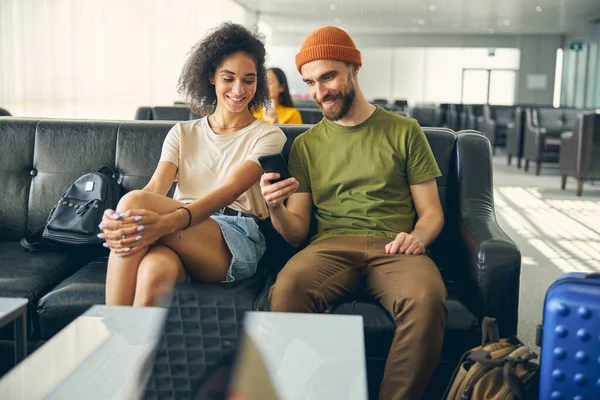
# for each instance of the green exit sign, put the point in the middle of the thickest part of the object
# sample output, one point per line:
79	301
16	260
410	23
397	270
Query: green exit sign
576	46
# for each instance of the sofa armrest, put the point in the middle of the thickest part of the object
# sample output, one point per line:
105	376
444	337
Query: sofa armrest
493	259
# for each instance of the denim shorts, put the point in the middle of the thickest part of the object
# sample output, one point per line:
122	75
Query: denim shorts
246	244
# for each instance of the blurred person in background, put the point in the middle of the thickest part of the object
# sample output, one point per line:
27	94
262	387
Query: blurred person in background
281	108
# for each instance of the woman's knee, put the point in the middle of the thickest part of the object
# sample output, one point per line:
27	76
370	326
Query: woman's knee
132	200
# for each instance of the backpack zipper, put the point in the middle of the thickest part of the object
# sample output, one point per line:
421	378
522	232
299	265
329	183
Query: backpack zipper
85	207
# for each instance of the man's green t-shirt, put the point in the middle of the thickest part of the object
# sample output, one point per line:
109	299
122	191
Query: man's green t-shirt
360	176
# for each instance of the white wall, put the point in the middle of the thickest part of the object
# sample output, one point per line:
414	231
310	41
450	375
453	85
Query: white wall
418	74
99	59
581	69
431	75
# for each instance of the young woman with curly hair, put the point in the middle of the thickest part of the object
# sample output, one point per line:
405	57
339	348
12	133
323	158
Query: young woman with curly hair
208	231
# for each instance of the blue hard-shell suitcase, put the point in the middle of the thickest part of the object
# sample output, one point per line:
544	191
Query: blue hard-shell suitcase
570	339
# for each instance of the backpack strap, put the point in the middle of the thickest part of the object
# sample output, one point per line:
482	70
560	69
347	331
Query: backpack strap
108	171
35	242
489	328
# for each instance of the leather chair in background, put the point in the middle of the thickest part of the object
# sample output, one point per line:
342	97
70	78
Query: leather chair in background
580	151
494	124
309	103
426	115
454	116
470	117
4	112
515	136
543	127
311	115
166	113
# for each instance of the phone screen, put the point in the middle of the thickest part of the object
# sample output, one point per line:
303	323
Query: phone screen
275	163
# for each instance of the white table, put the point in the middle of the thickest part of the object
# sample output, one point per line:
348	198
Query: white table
15	311
311	356
100	355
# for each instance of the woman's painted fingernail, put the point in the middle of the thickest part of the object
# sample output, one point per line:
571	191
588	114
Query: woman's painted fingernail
116	215
140	228
100	236
101	226
138	218
105	244
122	214
119	255
127	249
138	238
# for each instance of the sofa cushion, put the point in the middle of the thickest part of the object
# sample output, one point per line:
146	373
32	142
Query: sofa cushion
31	275
86	287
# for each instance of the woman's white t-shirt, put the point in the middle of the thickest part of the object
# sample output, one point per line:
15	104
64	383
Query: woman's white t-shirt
205	159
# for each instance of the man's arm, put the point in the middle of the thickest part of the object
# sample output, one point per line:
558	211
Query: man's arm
429	225
291	221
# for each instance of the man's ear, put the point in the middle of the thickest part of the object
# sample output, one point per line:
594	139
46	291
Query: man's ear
355	69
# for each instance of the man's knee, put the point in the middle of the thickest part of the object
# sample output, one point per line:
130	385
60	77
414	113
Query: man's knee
426	298
292	292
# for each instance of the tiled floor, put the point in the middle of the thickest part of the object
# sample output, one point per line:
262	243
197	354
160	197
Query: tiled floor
556	231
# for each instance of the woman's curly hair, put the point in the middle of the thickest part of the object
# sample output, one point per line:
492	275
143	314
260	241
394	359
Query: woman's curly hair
208	54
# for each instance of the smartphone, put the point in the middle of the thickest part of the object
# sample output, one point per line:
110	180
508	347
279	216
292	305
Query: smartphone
275	163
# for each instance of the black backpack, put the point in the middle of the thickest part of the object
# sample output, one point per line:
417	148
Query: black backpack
75	218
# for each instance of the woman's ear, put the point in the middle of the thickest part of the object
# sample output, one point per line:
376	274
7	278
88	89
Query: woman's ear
211	79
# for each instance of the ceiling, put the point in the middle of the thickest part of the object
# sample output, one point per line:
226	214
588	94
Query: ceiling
489	17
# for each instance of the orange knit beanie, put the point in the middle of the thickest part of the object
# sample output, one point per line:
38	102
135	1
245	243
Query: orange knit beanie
328	43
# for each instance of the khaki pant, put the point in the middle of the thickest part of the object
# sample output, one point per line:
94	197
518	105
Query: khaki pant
409	287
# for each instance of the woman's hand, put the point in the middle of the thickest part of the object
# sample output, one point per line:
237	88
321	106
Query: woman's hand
132	231
271	115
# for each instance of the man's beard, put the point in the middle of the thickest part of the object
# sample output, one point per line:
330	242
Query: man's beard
347	100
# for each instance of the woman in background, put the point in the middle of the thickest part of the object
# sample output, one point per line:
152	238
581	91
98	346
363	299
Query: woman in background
281	110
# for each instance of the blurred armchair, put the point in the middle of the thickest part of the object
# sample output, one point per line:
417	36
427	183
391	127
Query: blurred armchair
543	127
580	151
494	124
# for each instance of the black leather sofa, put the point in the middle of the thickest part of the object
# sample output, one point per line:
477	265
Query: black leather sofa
177	112
39	159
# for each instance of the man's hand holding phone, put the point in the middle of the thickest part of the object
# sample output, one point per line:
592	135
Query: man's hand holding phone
276	183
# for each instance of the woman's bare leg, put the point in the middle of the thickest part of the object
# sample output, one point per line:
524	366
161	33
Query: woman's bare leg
201	248
157	274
